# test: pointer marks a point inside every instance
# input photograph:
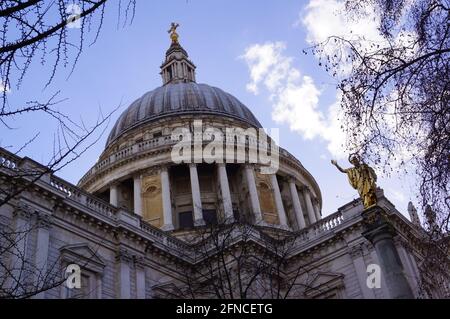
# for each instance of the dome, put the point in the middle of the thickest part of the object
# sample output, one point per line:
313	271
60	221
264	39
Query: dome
173	99
139	172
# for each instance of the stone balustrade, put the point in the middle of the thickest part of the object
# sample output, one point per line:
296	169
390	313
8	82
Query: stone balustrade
320	228
65	187
156	232
327	223
151	144
9	160
101	206
74	193
127	153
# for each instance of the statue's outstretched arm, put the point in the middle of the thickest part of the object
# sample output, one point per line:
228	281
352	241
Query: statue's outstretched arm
338	167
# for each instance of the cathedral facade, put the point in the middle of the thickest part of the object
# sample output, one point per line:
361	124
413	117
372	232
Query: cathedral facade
167	212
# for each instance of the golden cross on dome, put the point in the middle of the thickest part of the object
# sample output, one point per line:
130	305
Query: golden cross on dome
173	32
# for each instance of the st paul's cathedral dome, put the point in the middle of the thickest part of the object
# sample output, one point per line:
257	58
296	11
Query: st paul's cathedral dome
136	170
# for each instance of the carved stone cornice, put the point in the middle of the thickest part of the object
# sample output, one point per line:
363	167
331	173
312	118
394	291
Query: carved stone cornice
315	201
374	217
44	220
291	179
305	189
124	255
139	261
154	170
356	251
402	242
23	211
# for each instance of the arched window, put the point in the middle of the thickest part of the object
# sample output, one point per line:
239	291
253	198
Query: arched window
152	202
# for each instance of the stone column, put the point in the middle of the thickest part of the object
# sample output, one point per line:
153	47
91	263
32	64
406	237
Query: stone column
296	203
309	206
316	209
380	233
113	195
42	245
137	195
123	283
254	200
167	202
140	277
225	191
196	196
278	200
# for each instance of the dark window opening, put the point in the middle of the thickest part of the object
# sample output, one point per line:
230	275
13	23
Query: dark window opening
210	216
236	214
170	72
157	134
186	220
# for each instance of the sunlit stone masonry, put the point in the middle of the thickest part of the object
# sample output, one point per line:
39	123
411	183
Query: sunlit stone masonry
137	222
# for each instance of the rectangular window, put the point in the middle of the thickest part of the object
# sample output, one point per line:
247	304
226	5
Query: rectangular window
170	72
186	220
206	184
210	216
83	292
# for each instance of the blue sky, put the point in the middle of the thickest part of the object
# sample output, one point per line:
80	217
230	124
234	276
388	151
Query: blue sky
227	40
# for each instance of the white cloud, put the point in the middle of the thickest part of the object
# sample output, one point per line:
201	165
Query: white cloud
295	96
325	18
266	65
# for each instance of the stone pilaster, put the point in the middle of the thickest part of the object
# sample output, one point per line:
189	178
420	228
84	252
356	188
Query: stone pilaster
21	217
44	222
357	255
380	232
123	259
139	265
407	259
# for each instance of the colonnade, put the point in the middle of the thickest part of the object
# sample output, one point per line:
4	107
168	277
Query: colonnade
312	205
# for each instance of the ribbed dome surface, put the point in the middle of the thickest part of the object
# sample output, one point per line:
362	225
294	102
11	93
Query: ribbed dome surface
175	99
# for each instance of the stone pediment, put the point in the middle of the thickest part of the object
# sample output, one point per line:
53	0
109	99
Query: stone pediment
324	283
82	255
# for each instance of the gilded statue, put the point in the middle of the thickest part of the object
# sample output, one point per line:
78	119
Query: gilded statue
361	177
173	32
